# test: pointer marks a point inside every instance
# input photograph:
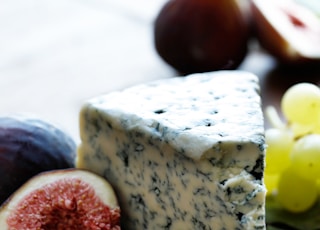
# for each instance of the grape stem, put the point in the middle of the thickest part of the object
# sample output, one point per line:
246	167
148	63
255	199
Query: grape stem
274	118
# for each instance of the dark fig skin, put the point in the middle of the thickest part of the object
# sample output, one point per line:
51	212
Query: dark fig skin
29	146
202	35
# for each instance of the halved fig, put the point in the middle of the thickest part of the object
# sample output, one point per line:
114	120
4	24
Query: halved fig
287	30
29	146
71	199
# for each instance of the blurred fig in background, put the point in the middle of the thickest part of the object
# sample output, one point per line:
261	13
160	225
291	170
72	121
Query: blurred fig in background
29	146
202	35
287	30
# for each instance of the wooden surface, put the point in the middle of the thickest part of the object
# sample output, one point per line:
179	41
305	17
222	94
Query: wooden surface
56	54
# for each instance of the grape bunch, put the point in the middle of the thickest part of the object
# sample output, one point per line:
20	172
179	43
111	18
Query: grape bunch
292	173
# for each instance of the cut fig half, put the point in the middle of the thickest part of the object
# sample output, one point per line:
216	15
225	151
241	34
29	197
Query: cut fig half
288	30
62	199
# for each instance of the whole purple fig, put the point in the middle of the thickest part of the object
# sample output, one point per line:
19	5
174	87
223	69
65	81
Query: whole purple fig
29	146
202	35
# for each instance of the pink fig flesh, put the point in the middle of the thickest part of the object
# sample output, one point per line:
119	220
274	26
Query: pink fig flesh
63	199
287	30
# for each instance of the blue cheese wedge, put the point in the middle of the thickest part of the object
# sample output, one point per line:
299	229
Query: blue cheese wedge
181	153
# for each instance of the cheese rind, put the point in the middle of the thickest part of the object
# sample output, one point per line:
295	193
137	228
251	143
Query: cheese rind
181	153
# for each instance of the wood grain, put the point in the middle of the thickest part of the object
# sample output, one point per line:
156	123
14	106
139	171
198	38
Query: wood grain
54	55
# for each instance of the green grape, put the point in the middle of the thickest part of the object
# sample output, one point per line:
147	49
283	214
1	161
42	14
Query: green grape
300	130
301	103
317	128
295	193
318	186
305	156
271	183
279	144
